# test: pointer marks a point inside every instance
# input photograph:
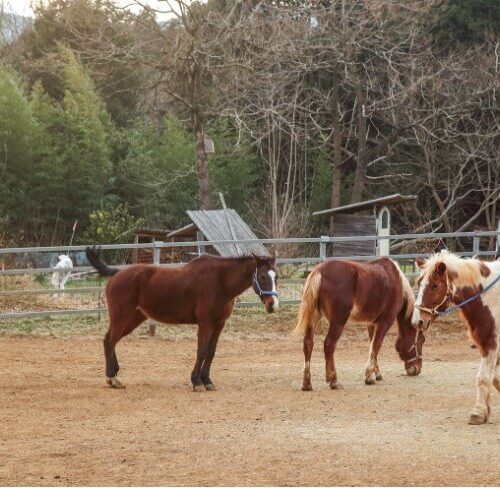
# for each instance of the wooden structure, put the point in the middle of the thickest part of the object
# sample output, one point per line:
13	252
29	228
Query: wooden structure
217	225
368	218
149	235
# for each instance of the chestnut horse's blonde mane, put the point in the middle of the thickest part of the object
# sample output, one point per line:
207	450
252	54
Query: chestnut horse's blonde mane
461	272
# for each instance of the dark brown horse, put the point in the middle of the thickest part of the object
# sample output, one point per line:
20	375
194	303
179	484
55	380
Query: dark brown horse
376	293
201	292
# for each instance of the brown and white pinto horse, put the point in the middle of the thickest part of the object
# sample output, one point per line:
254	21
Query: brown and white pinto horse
201	292
472	286
375	292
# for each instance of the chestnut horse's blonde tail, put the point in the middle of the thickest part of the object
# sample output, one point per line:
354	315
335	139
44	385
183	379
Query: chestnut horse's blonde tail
309	313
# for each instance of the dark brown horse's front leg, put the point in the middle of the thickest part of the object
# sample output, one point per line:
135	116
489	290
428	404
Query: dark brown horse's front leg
207	363
205	331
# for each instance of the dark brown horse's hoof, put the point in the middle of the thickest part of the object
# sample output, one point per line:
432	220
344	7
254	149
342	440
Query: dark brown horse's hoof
307	387
370	381
210	387
379	377
335	385
199	387
115	383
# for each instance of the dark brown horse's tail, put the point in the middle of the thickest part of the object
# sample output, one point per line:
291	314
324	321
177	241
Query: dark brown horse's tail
103	270
309	314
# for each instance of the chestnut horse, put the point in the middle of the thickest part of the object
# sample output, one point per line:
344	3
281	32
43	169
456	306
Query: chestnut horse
201	292
473	287
375	292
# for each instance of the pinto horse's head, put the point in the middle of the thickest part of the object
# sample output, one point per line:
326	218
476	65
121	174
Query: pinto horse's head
265	282
434	292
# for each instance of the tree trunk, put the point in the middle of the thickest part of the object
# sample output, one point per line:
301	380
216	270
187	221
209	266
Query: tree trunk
360	178
202	167
337	147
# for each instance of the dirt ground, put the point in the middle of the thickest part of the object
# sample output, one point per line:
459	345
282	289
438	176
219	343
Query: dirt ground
60	424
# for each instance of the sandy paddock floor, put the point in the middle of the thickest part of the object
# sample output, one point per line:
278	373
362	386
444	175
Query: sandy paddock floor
59	424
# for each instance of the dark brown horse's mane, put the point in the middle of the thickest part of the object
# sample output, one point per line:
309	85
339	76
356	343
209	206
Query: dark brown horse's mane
227	258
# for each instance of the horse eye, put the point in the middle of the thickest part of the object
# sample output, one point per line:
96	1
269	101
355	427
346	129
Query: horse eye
434	286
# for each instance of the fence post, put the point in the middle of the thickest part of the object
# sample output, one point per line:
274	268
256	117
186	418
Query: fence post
156	261
322	247
475	245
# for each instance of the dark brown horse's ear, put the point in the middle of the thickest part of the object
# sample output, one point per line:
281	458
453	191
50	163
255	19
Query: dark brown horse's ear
441	269
419	262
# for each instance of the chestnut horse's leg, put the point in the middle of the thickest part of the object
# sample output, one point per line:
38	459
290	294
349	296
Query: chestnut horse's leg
308	349
377	335
117	330
334	333
205	368
371	330
205	331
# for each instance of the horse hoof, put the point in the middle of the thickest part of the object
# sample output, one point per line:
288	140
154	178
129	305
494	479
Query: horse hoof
477	419
210	387
379	377
307	387
369	381
334	385
115	383
496	383
199	387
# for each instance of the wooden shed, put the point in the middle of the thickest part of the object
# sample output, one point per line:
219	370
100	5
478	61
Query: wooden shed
216	225
368	218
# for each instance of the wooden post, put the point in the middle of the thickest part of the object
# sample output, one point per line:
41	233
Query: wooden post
156	261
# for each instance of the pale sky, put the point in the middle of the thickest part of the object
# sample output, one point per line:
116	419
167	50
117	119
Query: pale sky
22	7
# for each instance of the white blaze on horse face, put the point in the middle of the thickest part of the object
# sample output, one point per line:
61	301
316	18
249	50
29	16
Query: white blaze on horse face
272	275
418	302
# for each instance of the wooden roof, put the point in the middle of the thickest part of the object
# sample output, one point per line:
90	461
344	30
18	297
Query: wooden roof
222	225
368	204
186	231
152	232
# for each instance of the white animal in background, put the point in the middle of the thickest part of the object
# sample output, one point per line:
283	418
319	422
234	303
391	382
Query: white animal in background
59	278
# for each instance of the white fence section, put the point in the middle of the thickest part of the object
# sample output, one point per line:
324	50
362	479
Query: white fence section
293	258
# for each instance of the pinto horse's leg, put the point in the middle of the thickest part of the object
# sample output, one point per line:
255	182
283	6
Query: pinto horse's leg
205	331
378	332
117	330
205	368
334	333
496	374
308	349
481	410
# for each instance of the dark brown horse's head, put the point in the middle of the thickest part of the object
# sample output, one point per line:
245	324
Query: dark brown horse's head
265	282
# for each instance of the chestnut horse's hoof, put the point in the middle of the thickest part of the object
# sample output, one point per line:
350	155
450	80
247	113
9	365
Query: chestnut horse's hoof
370	381
379	377
210	387
307	386
115	383
477	419
335	385
199	387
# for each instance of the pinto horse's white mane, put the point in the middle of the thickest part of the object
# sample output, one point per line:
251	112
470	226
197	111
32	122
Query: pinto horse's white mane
461	272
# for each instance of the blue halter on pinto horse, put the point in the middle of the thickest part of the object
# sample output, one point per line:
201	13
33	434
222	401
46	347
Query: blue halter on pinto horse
447	283
375	292
201	292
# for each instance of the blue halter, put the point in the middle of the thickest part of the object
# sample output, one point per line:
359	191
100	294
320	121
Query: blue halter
260	291
471	299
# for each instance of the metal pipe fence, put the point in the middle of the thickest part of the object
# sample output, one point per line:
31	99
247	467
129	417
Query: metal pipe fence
290	288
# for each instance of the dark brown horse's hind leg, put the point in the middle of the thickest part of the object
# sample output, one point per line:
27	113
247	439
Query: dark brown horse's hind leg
205	331
378	374
207	363
116	331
